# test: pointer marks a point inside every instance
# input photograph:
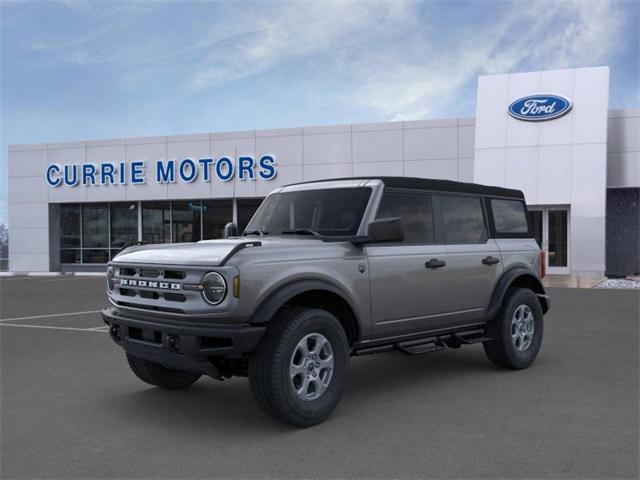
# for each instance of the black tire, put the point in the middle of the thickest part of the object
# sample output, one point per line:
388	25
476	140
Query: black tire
159	376
269	375
501	349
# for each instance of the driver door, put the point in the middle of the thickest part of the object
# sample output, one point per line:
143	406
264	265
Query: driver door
409	280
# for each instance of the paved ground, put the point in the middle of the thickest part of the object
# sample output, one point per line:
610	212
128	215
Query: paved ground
71	408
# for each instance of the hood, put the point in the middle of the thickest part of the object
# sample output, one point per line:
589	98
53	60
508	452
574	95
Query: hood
206	252
210	252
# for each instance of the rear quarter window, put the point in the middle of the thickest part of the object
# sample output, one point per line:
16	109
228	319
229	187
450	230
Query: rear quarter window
462	220
509	216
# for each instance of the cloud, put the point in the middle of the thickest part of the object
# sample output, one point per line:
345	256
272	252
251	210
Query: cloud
401	60
295	31
534	35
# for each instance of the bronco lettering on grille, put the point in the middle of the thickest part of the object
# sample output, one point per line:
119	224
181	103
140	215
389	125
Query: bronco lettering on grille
130	282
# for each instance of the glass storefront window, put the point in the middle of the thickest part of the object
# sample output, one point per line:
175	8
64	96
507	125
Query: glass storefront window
69	225
246	208
96	232
95	225
94	255
156	222
217	213
124	224
558	238
186	221
70	255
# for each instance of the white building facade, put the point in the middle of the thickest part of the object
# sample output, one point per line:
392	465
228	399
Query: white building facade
73	205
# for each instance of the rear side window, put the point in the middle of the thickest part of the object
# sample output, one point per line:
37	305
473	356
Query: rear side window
414	209
462	219
509	216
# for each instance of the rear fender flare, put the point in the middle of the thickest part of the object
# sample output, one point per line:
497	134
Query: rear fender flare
519	276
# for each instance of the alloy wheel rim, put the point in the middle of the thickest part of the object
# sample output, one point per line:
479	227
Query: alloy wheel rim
522	327
311	367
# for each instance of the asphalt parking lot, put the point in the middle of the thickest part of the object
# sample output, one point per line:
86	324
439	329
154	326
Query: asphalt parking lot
72	409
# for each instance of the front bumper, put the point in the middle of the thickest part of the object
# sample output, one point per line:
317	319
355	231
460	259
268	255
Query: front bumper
183	347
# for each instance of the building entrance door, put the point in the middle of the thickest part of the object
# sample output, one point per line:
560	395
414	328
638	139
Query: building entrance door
551	230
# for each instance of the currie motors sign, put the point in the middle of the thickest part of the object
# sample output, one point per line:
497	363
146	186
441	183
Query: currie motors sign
187	170
540	107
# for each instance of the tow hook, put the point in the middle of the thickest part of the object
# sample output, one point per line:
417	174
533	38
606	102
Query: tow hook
173	343
114	331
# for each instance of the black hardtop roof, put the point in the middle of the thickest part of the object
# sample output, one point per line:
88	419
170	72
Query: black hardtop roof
415	183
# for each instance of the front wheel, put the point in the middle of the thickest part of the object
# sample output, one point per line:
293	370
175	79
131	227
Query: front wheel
298	371
516	332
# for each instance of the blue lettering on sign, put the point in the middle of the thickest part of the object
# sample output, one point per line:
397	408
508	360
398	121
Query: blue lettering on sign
536	108
186	170
245	167
71	175
165	171
189	174
267	168
224	164
106	173
51	180
137	172
206	165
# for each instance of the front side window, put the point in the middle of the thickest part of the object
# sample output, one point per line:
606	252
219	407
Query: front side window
329	212
462	219
509	216
414	209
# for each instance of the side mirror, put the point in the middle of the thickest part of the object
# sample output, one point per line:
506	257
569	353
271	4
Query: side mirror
230	230
385	230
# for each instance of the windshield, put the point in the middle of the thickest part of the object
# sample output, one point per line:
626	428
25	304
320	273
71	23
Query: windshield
327	212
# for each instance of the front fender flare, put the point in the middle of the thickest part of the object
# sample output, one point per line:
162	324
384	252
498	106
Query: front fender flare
279	297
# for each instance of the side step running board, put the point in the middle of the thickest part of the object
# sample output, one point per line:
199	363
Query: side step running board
413	348
422	345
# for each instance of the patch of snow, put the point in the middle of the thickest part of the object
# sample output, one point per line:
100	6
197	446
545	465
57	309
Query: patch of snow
618	283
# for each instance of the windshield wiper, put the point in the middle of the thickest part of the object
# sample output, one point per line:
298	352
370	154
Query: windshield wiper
255	232
301	231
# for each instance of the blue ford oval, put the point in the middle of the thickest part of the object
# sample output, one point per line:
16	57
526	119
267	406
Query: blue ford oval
536	108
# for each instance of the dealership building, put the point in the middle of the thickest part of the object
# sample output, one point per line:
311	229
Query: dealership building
551	134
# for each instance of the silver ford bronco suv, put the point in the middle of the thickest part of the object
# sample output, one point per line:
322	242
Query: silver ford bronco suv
327	270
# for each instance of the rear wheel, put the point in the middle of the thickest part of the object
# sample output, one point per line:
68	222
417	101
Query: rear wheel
160	376
516	332
298	371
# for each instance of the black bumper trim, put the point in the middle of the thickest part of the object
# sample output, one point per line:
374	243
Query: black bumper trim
184	347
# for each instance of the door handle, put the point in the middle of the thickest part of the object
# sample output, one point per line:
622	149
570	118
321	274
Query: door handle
435	263
490	260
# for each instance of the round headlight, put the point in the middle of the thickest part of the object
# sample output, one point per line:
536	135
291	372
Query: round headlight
214	288
111	273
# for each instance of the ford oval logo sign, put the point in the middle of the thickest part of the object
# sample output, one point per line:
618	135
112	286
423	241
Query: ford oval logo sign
536	108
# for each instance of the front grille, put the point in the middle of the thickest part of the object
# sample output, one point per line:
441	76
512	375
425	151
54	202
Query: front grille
146	273
174	275
142	287
149	294
174	297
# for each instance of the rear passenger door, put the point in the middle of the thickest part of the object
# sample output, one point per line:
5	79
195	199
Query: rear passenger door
473	258
407	295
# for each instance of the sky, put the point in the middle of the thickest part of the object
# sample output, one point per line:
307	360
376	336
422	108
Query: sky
76	70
